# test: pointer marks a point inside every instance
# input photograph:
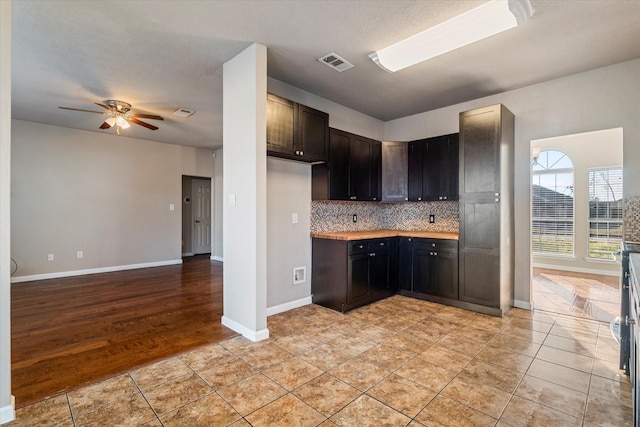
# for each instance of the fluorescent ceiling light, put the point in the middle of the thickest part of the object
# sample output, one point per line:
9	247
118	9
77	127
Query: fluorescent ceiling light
477	24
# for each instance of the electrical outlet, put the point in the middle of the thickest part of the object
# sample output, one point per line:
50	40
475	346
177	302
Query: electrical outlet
294	218
432	218
50	257
355	218
79	255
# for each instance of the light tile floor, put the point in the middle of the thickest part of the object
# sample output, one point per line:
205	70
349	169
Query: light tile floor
577	294
397	362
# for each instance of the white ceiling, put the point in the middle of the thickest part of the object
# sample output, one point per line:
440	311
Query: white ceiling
162	55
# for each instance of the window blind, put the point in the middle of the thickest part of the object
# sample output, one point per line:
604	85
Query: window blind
552	203
605	211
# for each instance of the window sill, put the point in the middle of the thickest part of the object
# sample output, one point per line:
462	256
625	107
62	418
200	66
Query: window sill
550	256
600	261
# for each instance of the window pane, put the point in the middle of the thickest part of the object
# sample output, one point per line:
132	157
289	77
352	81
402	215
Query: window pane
605	212
552	227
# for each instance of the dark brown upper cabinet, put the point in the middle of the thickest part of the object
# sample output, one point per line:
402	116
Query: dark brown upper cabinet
353	169
433	168
295	131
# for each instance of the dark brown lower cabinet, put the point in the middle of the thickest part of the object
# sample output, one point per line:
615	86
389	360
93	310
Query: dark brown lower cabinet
349	274
434	267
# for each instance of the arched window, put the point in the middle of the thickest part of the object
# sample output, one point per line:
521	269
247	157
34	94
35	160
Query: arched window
552	204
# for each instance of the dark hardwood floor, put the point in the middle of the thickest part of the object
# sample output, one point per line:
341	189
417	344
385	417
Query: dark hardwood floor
69	332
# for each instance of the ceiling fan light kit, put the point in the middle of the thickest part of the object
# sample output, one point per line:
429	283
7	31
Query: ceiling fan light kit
120	115
477	24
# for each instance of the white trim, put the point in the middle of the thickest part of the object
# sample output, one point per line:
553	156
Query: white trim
254	336
522	304
216	258
59	274
281	308
577	269
8	413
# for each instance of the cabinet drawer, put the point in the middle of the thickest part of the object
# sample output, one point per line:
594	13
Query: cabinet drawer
378	244
442	245
358	247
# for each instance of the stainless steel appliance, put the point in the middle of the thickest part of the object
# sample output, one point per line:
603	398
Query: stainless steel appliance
625	304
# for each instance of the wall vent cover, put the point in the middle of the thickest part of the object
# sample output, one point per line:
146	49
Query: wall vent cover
183	112
336	62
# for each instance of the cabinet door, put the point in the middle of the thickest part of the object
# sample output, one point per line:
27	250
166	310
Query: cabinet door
415	169
313	134
358	277
479	267
338	165
451	158
394	171
359	168
379	273
421	270
443	274
480	155
434	169
375	174
280	124
405	263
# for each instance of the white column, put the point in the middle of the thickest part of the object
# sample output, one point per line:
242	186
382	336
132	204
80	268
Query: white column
7	405
245	193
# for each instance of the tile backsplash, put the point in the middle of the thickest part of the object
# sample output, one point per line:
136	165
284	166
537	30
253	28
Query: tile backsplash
329	216
632	219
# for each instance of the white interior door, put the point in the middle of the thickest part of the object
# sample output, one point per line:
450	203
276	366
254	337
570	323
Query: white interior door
201	213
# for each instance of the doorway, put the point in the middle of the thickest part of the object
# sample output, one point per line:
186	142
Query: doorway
576	223
196	215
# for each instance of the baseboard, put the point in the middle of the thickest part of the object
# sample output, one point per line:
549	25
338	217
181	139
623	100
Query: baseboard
254	336
216	258
59	274
577	269
187	254
281	308
8	413
522	304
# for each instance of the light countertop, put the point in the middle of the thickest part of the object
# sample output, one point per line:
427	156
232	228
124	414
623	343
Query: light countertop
377	234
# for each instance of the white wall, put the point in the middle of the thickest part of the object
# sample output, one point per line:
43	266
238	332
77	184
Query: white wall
598	149
6	401
217	208
245	173
604	98
102	194
288	192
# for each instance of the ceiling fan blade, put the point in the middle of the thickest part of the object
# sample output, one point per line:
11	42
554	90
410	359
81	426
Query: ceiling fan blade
146	116
141	123
105	125
104	106
80	109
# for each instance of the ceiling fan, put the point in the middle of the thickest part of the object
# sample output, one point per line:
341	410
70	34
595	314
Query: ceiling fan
120	115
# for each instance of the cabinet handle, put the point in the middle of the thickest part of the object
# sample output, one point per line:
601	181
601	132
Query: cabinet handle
419	198
433	245
497	200
431	253
440	198
372	254
445	197
352	198
406	198
302	153
360	246
435	254
381	244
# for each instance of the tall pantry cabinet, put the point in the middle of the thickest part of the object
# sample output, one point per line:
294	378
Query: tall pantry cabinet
486	250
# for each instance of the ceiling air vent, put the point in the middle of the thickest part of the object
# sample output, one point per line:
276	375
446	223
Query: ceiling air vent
336	62
183	112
